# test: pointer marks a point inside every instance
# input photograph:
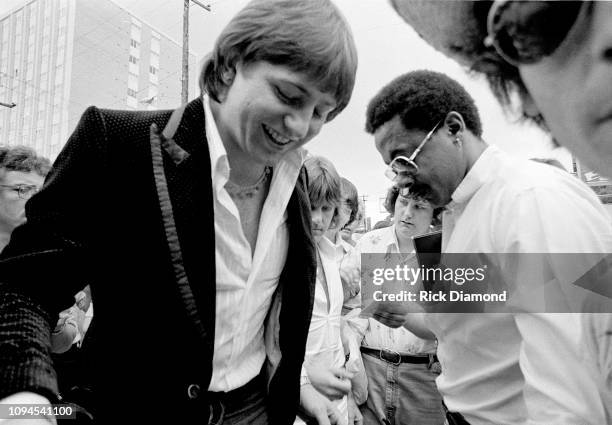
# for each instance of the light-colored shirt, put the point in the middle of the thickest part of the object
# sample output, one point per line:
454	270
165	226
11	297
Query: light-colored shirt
342	248
374	333
524	368
597	331
246	281
324	344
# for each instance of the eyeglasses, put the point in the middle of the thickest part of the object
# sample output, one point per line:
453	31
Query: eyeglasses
24	191
402	164
524	32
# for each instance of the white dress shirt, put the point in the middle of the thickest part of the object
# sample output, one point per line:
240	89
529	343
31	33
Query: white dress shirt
524	368
245	281
374	333
324	344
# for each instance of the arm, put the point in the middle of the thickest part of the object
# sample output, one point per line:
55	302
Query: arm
558	388
45	263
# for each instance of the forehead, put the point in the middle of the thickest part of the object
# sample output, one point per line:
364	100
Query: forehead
21	177
392	139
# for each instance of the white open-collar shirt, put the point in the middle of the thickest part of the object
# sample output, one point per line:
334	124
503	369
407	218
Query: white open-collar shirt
507	368
245	282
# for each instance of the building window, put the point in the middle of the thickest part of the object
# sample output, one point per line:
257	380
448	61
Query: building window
134	43
153	70
133	59
131	92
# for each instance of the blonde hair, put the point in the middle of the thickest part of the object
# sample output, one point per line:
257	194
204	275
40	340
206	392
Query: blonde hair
310	37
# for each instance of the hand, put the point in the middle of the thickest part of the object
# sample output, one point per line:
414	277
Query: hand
26	397
333	382
350	281
389	313
319	407
354	415
31	421
349	275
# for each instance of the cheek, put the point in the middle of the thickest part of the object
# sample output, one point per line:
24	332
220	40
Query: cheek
12	208
423	220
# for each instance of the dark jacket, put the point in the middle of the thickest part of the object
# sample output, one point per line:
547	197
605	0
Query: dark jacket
132	214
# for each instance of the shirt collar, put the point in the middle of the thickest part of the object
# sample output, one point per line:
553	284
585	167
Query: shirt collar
482	171
218	155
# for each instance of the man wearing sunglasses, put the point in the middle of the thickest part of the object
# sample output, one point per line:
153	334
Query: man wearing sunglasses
22	174
555	55
496	368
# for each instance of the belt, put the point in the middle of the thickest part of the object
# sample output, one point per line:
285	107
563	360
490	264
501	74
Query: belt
394	357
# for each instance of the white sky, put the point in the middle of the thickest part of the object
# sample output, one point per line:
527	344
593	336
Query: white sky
387	48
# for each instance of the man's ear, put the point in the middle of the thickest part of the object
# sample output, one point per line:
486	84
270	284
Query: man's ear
454	122
227	78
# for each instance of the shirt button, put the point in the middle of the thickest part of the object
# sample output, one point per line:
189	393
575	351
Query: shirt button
193	391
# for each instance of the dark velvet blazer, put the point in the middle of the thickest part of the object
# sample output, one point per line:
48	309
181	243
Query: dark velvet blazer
131	213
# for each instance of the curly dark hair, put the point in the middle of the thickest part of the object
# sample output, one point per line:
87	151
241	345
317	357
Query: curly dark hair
392	194
422	99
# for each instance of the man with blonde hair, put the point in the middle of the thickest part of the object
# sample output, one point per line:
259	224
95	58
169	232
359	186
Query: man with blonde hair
201	215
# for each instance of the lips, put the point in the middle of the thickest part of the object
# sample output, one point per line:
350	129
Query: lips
276	138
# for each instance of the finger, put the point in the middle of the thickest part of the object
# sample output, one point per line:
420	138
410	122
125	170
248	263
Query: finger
343	374
322	418
335	418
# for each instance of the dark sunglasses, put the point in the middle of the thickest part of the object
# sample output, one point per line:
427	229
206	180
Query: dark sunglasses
524	32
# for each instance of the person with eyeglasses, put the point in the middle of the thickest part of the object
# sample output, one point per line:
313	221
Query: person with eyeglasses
555	57
497	367
552	59
22	174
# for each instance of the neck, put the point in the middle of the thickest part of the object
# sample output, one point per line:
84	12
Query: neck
243	170
405	246
473	147
332	235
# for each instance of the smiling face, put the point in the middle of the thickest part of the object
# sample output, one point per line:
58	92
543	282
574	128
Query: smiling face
572	87
440	162
268	111
412	217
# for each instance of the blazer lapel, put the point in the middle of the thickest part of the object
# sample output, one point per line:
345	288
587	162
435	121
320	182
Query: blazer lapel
182	173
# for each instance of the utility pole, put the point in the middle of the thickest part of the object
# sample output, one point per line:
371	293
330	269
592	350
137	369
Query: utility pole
185	74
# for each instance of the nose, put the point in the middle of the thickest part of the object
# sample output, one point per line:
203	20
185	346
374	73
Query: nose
298	123
316	216
408	211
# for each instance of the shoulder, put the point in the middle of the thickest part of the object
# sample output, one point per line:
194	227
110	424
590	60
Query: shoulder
375	237
522	179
